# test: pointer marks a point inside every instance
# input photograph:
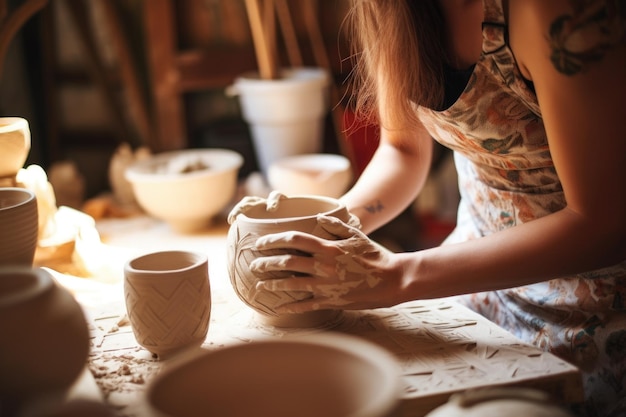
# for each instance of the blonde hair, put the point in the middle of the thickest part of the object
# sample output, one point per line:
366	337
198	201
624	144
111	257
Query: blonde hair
397	58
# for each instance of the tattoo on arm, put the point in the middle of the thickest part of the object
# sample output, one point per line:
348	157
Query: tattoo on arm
375	207
587	34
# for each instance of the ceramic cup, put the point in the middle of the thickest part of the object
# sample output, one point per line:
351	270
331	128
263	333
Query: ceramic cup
168	300
19	224
14	145
45	338
294	213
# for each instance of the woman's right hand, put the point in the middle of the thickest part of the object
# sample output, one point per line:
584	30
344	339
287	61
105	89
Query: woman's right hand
348	272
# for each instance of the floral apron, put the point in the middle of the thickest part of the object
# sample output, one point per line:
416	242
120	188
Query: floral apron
506	178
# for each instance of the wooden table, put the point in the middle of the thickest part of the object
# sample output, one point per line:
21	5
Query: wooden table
442	347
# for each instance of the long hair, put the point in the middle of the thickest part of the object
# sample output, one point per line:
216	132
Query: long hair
397	56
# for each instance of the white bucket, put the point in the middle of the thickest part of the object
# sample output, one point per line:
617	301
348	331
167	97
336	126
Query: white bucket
286	115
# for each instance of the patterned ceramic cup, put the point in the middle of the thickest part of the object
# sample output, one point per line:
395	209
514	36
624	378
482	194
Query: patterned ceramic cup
168	300
19	224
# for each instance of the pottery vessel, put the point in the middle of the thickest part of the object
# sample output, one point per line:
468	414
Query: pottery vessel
168	300
325	374
312	174
295	213
497	402
286	114
185	188
45	337
14	145
19	223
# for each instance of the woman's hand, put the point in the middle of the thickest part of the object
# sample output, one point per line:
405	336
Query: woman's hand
271	204
352	272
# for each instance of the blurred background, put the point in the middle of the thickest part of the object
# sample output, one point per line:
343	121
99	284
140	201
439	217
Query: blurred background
91	75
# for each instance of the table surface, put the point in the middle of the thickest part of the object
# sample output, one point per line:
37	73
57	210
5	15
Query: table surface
442	347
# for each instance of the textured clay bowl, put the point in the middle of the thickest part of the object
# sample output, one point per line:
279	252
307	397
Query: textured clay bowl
14	145
293	213
19	226
185	188
328	374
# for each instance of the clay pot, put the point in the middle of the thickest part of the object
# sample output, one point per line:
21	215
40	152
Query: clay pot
497	402
14	145
296	213
45	338
322	374
19	224
168	300
286	114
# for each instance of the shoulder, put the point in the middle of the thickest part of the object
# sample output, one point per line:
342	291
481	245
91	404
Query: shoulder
571	35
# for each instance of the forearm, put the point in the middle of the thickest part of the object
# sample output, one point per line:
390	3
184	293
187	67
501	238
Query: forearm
557	245
389	184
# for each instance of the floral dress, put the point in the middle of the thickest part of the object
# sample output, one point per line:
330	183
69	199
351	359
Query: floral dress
506	178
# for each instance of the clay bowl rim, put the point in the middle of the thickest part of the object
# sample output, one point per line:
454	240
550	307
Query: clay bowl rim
16	190
198	259
12	123
33	281
382	403
221	161
288	77
313	162
339	206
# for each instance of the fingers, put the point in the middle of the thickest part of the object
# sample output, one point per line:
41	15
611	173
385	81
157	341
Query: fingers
287	284
273	200
290	240
271	204
242	206
265	266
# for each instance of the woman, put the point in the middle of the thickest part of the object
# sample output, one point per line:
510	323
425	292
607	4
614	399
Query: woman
529	95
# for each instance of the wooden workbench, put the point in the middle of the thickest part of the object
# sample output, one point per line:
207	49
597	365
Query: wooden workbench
442	347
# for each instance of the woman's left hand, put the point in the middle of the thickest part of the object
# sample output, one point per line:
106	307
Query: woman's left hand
352	272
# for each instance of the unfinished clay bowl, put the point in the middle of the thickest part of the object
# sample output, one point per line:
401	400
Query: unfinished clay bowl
14	145
326	374
296	213
19	223
168	300
45	338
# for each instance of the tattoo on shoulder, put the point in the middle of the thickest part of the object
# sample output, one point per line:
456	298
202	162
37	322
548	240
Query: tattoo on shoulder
584	36
375	207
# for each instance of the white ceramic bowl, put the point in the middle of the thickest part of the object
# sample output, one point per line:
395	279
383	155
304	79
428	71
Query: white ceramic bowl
323	374
14	145
315	174
186	188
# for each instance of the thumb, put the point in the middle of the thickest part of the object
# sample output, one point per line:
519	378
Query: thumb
336	227
273	200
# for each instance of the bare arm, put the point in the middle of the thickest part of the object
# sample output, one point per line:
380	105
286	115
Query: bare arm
581	97
584	116
391	181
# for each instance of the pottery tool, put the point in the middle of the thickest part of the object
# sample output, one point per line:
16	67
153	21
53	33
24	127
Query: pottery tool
263	36
289	33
